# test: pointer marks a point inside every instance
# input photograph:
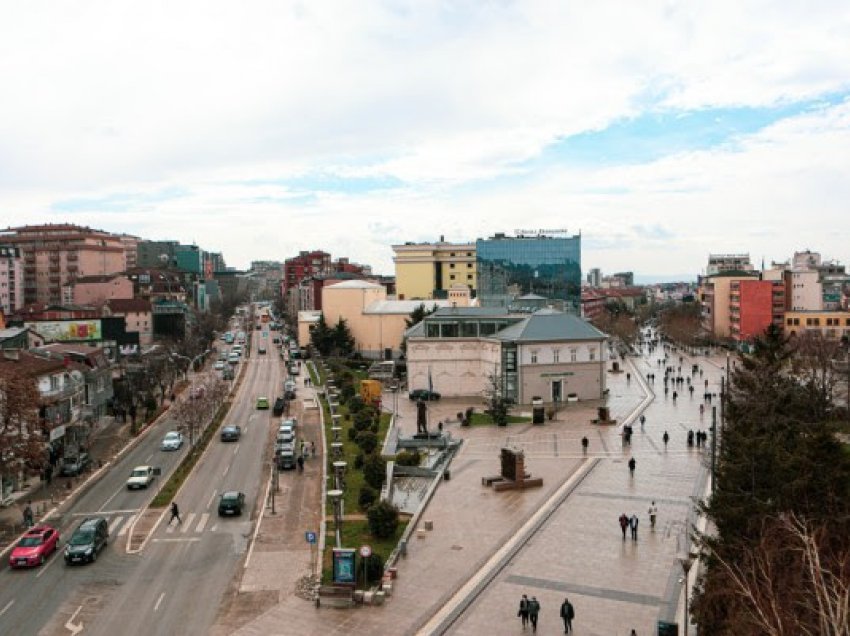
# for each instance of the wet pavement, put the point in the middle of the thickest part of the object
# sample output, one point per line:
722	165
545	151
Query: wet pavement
486	549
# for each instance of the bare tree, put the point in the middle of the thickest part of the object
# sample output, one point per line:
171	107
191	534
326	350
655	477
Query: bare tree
813	363
196	413
22	442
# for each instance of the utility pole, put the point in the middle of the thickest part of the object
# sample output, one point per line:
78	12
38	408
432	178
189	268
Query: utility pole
713	448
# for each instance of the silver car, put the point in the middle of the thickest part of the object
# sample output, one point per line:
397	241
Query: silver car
173	440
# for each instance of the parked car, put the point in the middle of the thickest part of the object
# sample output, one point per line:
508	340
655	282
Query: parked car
285	459
279	406
34	547
231	433
227	374
424	394
88	539
285	435
261	350
219	365
141	477
173	440
75	464
231	503
262	402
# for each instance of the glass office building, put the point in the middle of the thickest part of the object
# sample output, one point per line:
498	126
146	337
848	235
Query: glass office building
512	267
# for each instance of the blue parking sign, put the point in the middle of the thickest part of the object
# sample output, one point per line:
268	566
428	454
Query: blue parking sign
310	536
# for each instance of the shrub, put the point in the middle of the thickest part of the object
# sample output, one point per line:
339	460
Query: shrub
383	520
408	458
374	566
374	470
362	422
367	441
358	461
352	434
367	497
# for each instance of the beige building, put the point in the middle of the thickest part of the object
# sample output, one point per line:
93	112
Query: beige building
138	317
548	354
306	320
11	279
428	270
96	290
715	298
376	323
829	324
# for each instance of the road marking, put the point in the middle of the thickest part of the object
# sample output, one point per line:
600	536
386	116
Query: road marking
149	458
114	524
212	497
44	567
203	522
71	626
8	605
115	494
225	470
127	525
158	601
184	527
178	540
105	512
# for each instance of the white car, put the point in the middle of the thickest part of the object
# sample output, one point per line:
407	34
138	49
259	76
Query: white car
173	440
141	477
219	365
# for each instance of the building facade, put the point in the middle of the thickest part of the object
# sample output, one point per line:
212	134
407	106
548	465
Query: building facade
428	270
829	324
96	290
56	255
11	279
724	263
542	264
137	314
715	302
753	306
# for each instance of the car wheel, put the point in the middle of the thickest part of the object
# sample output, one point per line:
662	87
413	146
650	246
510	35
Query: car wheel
41	560
93	557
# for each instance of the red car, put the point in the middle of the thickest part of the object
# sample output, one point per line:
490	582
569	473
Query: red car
34	547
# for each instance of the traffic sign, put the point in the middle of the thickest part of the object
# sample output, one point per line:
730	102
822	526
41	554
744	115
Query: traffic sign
365	551
310	536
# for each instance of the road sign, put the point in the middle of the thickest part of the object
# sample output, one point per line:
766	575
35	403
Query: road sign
365	551
310	536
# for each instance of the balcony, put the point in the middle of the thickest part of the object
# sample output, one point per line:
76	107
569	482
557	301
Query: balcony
72	269
71	256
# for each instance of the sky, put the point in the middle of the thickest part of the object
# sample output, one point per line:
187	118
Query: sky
661	131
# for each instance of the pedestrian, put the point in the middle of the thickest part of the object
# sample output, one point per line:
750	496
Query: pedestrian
300	463
642	421
675	395
28	515
584	443
533	612
633	524
628	377
690	439
665	438
624	523
523	610
175	514
440	426
567	613
312	449
632	464
653	512
633	633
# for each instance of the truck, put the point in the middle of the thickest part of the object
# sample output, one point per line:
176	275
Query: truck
370	391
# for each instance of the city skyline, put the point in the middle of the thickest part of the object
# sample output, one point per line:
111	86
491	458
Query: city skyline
264	129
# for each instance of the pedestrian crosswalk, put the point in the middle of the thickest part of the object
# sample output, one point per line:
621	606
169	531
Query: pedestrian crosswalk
120	522
192	523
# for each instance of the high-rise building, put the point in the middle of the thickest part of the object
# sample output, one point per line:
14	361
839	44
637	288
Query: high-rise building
529	263
55	255
11	279
429	270
594	277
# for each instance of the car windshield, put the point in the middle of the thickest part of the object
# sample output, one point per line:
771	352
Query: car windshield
229	497
139	472
172	436
29	542
81	538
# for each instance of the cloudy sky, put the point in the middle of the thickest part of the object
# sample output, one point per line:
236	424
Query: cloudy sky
660	130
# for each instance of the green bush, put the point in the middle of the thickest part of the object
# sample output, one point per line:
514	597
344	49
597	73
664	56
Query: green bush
352	434
383	520
367	441
374	566
362	423
374	470
367	497
408	458
358	460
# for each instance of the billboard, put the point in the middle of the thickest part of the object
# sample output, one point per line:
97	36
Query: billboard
67	330
343	565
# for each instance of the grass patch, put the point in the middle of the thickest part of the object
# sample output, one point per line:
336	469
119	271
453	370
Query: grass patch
354	535
170	488
484	419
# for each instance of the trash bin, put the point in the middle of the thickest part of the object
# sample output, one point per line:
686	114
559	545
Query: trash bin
538	412
668	629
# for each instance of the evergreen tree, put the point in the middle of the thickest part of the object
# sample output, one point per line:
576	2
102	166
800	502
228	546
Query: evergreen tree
343	341
321	336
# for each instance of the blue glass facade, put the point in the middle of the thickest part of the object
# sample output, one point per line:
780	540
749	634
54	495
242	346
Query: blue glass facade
510	267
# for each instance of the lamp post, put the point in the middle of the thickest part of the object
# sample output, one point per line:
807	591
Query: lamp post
686	561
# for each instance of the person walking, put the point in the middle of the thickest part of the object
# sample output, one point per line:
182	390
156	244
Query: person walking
624	523
300	461
633	524
523	610
642	421
28	515
533	613
632	464
665	438
584	443
653	512
567	613
175	514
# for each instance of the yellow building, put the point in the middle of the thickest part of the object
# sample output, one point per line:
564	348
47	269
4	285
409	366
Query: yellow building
428	270
829	324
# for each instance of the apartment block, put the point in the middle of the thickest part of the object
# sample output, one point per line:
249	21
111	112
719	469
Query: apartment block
753	306
11	279
429	270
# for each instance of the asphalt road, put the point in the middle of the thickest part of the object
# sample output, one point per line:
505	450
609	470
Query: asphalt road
175	584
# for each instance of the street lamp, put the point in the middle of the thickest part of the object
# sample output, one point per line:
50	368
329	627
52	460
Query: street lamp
686	561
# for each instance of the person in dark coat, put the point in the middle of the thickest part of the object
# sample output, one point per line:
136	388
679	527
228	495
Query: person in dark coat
567	613
523	610
633	524
665	438
533	612
632	464
175	514
624	523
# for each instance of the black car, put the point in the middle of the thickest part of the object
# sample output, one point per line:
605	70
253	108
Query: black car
424	394
231	503
279	406
231	433
88	539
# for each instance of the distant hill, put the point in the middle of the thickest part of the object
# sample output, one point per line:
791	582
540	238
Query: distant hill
649	279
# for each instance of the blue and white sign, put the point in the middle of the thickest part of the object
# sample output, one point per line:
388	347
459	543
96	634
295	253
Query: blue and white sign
310	536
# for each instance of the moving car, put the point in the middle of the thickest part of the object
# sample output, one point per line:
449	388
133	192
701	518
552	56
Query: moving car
173	440
262	402
231	503
424	394
141	477
75	464
261	349
34	547
231	433
88	539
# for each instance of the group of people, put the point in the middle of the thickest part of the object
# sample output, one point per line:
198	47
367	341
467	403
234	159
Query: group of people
699	438
631	523
529	612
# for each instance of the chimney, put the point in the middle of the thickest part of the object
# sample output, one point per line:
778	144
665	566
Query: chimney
11	354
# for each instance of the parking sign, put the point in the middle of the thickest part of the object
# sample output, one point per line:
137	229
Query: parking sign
310	536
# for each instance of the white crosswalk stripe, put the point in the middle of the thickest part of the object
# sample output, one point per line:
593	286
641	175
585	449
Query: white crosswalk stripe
203	522
127	525
184	527
114	523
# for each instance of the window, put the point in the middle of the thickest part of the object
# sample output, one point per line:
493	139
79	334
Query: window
796	322
573	355
790	322
556	355
533	357
451	265
469	266
591	353
452	277
469	277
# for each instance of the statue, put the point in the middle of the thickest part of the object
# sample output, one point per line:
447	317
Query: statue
421	418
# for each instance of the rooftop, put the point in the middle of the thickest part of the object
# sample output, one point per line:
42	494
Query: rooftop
548	325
